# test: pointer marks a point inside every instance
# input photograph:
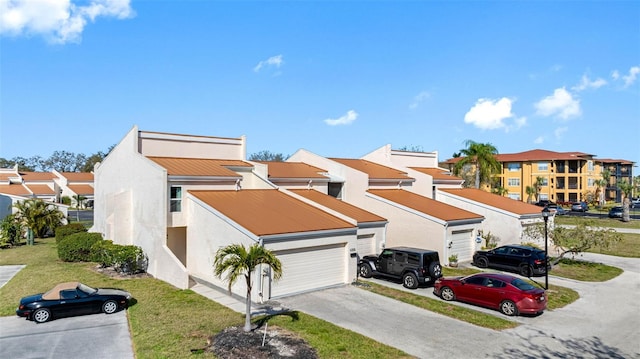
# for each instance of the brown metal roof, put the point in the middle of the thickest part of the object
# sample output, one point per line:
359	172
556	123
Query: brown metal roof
40	189
78	176
293	170
14	189
81	189
374	170
269	212
494	200
4	177
349	210
611	160
37	176
535	155
438	173
425	205
199	166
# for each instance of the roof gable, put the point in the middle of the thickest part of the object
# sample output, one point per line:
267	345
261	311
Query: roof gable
349	210
270	212
494	200
426	205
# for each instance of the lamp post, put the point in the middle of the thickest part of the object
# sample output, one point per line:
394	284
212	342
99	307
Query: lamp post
545	216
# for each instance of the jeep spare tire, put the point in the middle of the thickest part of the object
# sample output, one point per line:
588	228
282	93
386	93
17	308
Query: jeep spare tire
435	270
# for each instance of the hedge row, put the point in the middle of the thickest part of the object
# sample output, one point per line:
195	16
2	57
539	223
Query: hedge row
82	246
68	229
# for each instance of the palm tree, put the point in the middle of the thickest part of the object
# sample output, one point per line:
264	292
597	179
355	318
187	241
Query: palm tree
481	156
236	260
537	185
531	192
38	216
626	189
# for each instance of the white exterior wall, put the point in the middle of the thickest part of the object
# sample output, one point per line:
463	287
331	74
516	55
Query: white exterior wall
507	226
130	207
188	146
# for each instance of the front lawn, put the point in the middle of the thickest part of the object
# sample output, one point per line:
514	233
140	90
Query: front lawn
167	322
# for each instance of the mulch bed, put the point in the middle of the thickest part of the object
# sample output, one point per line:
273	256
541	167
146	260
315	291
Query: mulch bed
235	343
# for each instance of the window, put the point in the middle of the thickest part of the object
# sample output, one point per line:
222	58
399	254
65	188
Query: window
513	182
513	167
175	204
545	182
543	166
591	182
589	165
515	196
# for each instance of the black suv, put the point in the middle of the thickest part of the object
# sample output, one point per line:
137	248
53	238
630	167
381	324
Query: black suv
516	258
413	265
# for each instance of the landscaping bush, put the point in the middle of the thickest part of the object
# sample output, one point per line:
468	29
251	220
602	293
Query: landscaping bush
77	247
68	229
102	253
9	231
129	259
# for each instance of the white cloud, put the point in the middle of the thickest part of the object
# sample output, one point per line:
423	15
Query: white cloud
275	61
632	76
559	132
421	97
586	83
347	119
560	104
59	21
489	114
539	140
615	75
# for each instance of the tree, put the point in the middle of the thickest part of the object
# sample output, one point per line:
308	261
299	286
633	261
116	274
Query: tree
235	260
626	189
531	193
576	239
537	185
268	156
64	161
38	216
480	156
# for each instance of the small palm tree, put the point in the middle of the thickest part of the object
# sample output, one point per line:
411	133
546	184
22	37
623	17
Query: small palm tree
480	156
37	215
531	192
236	260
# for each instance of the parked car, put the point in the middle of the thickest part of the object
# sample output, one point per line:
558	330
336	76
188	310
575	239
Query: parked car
579	206
72	298
506	293
544	203
635	203
526	260
554	208
560	211
413	266
615	212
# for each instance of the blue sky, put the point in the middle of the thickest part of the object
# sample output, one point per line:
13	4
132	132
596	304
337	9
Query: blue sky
339	79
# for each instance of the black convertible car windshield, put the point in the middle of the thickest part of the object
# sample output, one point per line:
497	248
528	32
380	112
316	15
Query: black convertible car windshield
85	288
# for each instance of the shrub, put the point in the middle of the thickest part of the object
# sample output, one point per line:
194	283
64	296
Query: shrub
66	200
129	259
9	231
77	247
68	229
102	253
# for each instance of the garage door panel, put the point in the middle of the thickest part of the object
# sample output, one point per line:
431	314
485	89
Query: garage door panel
366	245
462	245
310	268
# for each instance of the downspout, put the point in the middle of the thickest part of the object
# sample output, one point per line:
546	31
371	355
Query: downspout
261	274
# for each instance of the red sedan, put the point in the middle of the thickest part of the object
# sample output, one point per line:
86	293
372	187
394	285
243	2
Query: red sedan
506	293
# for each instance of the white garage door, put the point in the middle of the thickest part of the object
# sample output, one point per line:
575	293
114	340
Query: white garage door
312	268
462	245
366	245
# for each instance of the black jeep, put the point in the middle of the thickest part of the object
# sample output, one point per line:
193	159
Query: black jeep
413	266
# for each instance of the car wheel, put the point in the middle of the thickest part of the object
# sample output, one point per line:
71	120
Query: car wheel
482	262
41	315
110	307
409	280
365	271
509	308
526	271
447	294
435	270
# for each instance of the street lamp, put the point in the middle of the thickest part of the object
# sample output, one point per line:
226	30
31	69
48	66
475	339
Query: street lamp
545	216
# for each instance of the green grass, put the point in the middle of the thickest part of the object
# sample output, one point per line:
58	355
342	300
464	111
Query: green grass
629	247
167	322
585	271
603	221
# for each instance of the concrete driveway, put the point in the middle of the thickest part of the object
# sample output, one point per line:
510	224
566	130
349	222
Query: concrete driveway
88	336
603	323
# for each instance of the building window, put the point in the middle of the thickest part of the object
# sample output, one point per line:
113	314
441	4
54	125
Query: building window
543	166
513	167
545	182
589	165
515	196
591	182
513	182
175	204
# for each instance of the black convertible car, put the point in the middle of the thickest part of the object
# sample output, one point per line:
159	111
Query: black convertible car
73	298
